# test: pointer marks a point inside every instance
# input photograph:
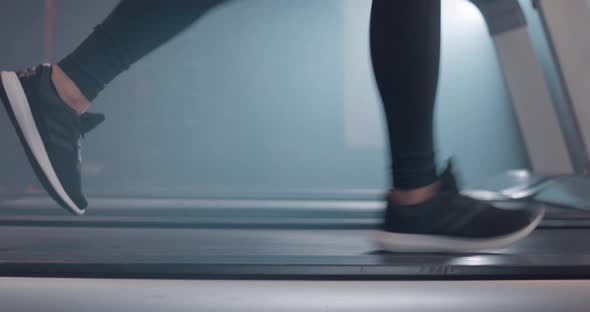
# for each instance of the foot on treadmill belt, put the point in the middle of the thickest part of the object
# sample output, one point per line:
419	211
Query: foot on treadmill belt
451	222
50	132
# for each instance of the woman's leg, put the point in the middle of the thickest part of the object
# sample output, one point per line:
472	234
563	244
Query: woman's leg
426	212
46	103
132	30
405	45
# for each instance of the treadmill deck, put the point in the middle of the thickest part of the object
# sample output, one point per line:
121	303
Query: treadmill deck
91	246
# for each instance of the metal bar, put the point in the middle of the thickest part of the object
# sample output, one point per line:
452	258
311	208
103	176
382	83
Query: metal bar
559	19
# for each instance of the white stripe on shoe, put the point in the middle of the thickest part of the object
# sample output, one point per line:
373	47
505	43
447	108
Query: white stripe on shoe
417	243
17	100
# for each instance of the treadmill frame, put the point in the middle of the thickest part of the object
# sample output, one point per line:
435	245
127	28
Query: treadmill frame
554	142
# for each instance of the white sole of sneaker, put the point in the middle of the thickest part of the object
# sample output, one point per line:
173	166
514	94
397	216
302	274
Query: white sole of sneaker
408	243
19	104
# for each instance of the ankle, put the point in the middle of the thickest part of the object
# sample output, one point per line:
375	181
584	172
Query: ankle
68	91
415	196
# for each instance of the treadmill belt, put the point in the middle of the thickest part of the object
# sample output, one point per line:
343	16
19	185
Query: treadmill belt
80	250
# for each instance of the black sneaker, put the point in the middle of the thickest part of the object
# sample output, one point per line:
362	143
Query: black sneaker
451	222
50	132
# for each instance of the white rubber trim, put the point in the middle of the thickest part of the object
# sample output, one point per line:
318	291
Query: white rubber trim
398	242
24	117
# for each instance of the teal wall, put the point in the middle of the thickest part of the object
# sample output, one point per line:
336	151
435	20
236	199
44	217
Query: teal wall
271	95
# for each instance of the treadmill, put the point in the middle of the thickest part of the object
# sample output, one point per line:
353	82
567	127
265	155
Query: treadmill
302	252
555	125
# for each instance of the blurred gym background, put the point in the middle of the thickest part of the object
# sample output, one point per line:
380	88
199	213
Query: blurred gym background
264	97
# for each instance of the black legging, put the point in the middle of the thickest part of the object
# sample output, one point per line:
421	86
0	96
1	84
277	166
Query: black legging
405	48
